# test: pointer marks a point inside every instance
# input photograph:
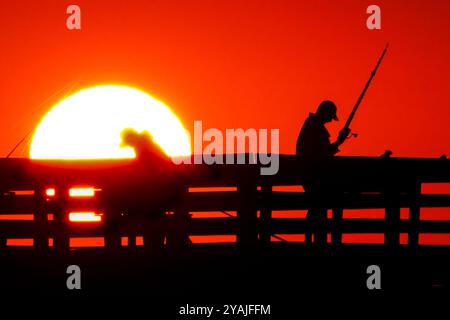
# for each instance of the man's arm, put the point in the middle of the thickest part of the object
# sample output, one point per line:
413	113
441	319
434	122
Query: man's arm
343	135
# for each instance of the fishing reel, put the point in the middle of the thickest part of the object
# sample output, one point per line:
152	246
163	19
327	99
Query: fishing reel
352	135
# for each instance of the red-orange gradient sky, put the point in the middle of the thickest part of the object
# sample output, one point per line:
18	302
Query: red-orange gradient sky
259	64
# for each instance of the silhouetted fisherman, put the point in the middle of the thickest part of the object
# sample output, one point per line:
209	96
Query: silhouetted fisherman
314	151
151	187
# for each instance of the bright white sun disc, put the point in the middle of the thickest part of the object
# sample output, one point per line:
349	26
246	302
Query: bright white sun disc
87	125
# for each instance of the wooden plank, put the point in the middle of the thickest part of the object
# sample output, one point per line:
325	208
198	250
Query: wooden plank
15	204
18	229
434	227
211	201
213	226
434	200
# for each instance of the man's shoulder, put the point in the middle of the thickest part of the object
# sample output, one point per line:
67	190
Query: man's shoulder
315	127
309	122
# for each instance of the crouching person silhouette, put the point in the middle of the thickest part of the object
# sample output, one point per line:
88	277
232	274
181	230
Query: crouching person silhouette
314	152
144	193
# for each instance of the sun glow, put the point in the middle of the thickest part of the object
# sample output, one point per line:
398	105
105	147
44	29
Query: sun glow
84	217
82	192
87	125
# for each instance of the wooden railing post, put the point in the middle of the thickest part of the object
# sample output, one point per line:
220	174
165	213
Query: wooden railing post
60	220
265	215
247	236
414	215
3	239
112	230
176	226
336	234
392	218
40	218
132	238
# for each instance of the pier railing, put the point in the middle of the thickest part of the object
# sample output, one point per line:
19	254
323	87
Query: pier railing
35	201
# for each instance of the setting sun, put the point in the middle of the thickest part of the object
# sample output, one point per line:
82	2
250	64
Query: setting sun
87	125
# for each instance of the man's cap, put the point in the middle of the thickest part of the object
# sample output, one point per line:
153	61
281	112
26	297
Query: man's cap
328	106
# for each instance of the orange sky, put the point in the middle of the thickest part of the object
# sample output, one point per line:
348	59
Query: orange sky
259	64
238	64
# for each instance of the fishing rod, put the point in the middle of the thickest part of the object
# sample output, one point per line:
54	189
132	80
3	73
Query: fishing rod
72	85
18	144
372	75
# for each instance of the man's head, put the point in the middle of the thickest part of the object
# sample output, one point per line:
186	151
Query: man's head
136	140
130	137
326	112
